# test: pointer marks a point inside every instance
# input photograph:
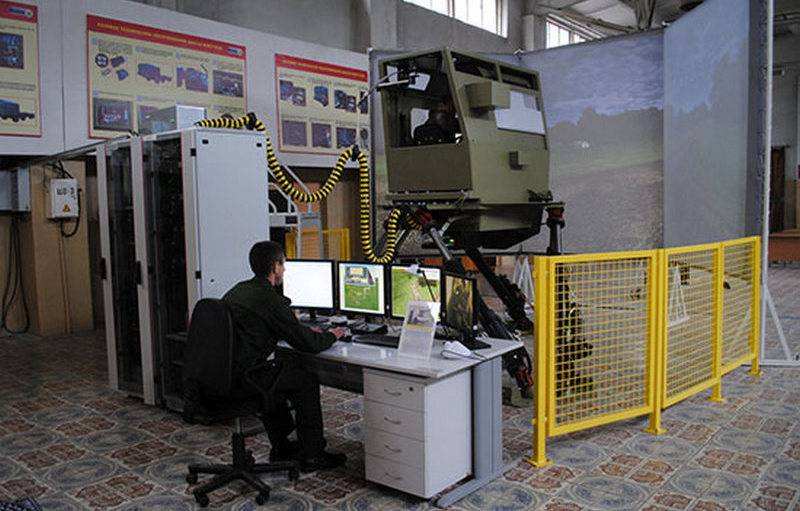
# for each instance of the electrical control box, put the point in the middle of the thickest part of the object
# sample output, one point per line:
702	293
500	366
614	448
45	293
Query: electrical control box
63	199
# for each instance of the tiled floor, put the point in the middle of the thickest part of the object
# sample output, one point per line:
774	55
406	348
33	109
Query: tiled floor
72	443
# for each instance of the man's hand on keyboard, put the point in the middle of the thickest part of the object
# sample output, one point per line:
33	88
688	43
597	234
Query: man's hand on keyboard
339	331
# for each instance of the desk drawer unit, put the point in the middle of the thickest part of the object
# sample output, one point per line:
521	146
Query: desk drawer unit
418	435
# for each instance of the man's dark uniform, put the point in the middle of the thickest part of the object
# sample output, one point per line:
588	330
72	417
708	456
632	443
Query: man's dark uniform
262	318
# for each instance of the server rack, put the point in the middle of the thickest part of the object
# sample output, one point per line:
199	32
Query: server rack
198	201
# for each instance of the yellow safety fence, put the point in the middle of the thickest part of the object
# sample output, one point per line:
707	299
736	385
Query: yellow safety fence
624	334
335	244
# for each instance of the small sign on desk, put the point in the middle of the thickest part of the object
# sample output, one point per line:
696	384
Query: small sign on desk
419	327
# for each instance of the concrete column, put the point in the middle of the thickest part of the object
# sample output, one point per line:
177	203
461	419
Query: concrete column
383	24
534	31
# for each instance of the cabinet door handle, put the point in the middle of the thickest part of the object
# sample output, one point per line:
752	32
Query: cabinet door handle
396	451
396	478
395	394
390	421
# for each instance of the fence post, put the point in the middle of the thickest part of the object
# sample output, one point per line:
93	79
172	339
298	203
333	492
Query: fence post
718	282
755	332
657	329
541	290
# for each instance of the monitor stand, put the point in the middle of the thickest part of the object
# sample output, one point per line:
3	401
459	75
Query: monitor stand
470	342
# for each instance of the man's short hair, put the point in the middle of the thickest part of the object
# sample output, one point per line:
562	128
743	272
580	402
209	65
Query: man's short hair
263	257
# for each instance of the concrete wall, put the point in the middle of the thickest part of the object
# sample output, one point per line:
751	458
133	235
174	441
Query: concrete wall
785	111
331	23
355	25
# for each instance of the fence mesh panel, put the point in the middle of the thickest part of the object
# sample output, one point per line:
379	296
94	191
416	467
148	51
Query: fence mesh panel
690	322
737	296
600	338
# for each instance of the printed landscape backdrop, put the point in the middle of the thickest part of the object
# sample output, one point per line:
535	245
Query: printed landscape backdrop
604	108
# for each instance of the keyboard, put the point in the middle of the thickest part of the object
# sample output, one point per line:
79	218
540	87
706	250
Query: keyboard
386	341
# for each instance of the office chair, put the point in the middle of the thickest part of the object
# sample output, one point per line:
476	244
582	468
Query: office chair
210	396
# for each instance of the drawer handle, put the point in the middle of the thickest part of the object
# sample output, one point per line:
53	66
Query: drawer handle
396	478
390	421
395	394
396	451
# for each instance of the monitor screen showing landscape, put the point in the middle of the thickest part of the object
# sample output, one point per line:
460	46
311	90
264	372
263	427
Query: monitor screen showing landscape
362	288
415	283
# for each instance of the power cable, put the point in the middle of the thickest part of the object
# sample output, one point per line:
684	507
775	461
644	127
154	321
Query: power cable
15	280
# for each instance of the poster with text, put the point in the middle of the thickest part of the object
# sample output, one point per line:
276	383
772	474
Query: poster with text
319	106
134	70
19	70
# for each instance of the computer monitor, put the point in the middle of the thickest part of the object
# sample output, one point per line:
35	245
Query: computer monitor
460	303
362	288
310	284
410	283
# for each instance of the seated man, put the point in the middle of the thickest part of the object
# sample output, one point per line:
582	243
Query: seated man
441	126
262	318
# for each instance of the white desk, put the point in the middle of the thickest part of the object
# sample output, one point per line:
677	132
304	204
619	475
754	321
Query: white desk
429	423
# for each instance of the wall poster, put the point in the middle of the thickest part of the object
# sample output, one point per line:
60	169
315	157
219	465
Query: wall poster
134	70
319	106
19	70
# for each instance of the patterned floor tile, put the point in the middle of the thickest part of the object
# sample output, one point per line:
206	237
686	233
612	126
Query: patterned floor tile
199	437
607	492
575	453
60	502
81	472
112	439
785	472
752	442
663	447
165	500
20	442
502	494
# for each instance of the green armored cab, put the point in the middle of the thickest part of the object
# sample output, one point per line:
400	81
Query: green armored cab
466	140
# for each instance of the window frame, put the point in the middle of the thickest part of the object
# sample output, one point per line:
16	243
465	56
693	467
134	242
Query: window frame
453	11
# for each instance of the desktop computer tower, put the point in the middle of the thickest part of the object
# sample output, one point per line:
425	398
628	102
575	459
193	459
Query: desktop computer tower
179	212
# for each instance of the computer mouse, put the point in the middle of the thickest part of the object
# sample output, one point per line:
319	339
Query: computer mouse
454	349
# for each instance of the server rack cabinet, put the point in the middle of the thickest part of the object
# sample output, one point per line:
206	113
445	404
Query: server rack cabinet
206	203
179	212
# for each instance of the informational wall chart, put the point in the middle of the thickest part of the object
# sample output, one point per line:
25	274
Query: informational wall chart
320	107
134	70
19	70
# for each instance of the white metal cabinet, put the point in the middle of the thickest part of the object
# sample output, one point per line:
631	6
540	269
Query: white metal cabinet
418	436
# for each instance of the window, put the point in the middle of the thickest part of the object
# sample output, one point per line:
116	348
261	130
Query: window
487	14
560	36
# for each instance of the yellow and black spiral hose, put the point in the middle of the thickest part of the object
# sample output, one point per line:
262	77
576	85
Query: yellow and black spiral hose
251	122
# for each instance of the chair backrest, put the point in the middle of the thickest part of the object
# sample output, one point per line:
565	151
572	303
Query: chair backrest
209	354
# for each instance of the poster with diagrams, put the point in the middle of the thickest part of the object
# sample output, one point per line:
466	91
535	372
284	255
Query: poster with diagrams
135	70
19	70
319	106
